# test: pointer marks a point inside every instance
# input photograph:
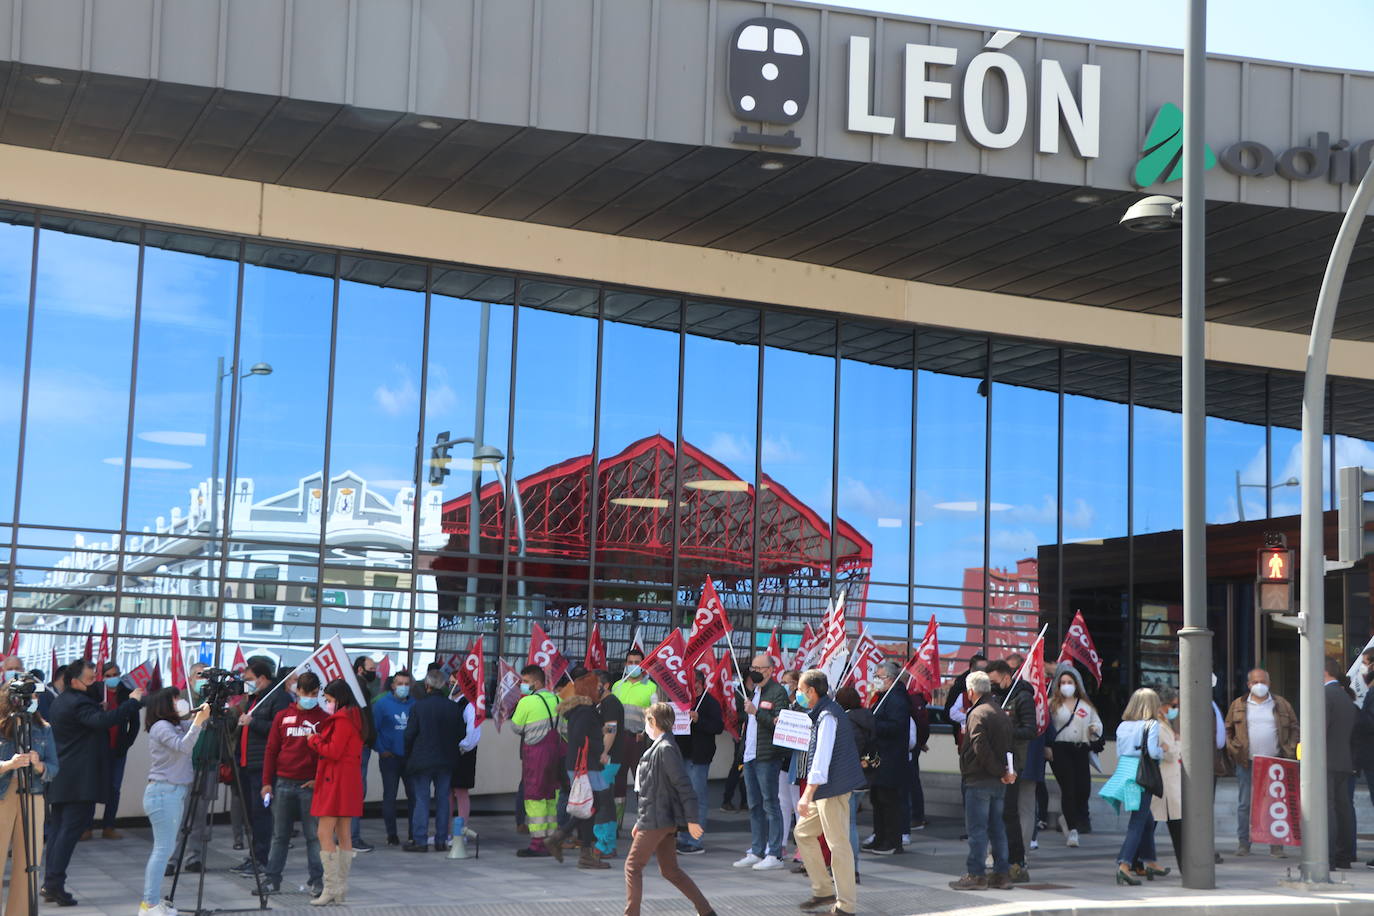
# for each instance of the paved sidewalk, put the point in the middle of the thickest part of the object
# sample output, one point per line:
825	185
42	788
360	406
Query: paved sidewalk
107	875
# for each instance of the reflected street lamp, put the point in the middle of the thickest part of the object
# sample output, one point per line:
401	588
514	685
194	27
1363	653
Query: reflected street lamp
259	369
1240	506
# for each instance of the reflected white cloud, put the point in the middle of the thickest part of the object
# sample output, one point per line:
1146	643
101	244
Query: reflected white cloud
972	506
399	399
889	523
729	448
172	437
151	464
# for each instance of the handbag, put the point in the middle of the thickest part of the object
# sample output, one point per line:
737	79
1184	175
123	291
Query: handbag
1147	774
580	794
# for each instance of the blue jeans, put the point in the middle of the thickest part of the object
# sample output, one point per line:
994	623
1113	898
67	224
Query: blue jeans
357	821
1243	803
393	770
291	803
765	813
697	772
163	803
420	784
1139	844
983	821
854	799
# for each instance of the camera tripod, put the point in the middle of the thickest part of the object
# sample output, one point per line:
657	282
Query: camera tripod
220	728
23	782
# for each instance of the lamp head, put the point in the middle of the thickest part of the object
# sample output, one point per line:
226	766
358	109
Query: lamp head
487	455
1157	213
260	369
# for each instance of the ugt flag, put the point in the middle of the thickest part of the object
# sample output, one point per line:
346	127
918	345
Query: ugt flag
179	661
669	671
507	692
834	639
1078	645
709	624
805	650
775	652
472	681
330	662
546	655
1033	673
867	657
923	671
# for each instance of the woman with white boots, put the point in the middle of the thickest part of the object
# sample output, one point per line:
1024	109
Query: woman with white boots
338	785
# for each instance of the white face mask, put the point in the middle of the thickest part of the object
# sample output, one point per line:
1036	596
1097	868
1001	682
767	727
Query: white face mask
652	731
1260	691
183	708
1067	690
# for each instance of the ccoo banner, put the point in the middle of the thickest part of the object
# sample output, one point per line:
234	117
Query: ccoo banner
1275	814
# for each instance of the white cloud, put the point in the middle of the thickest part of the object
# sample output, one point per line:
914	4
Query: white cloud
779	450
172	437
150	464
859	499
730	449
399	399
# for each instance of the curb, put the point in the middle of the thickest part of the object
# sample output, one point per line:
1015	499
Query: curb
1331	904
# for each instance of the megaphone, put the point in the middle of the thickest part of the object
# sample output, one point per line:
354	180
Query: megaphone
458	841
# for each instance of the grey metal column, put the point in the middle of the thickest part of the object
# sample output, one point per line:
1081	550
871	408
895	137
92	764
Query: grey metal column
1195	640
479	424
1316	866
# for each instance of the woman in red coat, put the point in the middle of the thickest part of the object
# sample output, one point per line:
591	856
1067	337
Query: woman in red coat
338	795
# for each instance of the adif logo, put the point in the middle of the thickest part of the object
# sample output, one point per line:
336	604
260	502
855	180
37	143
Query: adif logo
1161	159
768	78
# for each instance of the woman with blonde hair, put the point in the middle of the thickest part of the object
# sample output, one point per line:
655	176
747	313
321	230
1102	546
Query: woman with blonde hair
1136	736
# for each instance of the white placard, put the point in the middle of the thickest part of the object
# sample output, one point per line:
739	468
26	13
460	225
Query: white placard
793	730
682	721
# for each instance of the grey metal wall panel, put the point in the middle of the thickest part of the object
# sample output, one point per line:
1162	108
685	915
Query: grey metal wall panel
317	68
254	45
52	32
1269	114
1062	168
382	65
507	49
188	45
125	28
1319	110
622	104
444	80
683	49
566	37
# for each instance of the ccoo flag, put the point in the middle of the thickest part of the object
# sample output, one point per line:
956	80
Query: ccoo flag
923	671
546	655
709	624
596	650
1078	645
669	670
472	681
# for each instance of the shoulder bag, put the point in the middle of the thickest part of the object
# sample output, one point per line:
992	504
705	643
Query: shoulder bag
1147	774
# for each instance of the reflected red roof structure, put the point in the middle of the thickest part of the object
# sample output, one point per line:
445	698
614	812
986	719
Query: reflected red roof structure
634	540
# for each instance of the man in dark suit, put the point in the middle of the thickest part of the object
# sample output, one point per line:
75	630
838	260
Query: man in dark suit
1340	762
432	735
80	730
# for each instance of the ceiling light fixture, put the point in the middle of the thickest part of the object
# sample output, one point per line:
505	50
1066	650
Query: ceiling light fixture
44	79
640	502
1221	279
717	485
772	165
428	124
1086	198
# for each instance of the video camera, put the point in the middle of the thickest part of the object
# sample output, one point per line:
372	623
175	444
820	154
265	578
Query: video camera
220	685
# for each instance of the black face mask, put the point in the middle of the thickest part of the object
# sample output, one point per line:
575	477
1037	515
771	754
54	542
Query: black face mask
369	676
756	677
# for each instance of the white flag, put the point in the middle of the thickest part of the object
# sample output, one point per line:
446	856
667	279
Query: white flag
330	662
1357	672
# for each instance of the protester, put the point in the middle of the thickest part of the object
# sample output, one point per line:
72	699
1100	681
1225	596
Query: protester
957	691
390	715
698	749
1137	735
1074	726
578	712
920	714
365	671
762	762
1018	807
17	807
892	725
864	730
636	693
289	766
1340	729
122	738
789	776
1259	724
338	795
833	774
734	781
615	747
255	720
80	731
665	797
535	721
432	737
464	776
170	743
1169	806
984	776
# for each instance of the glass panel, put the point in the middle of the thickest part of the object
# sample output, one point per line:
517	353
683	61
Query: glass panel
1285	412
79	385
1235	446
951	430
1158	483
16	263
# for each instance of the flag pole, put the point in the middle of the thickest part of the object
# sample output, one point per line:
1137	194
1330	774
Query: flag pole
1024	663
739	684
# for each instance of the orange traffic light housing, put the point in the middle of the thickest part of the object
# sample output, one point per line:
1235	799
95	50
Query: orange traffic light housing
1274	580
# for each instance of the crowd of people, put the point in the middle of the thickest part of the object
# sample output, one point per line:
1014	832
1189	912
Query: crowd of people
300	750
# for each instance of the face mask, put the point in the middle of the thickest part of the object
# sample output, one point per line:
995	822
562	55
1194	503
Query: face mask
653	733
1172	714
328	705
307	703
791	691
633	671
369	676
1259	690
112	682
250	687
13	675
33	705
183	708
1067	690
756	677
803	700
525	688
402	691
199	686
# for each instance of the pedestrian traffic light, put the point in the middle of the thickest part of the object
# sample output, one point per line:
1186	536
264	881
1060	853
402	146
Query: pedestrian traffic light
1353	542
439	459
1274	579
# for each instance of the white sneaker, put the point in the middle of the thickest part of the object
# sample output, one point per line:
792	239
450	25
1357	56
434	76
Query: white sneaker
906	839
1034	844
748	861
1073	838
768	864
870	838
156	909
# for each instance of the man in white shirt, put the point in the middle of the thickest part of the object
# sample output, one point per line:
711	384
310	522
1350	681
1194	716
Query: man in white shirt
1259	724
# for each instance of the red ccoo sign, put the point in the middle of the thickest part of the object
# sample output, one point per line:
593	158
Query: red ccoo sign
1275	814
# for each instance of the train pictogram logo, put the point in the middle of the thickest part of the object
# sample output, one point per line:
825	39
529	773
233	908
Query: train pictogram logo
769	79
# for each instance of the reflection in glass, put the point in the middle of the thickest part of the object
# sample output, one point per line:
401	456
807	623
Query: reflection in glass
16	261
1157	489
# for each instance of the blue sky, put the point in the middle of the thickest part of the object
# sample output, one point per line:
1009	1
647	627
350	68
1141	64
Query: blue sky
1334	33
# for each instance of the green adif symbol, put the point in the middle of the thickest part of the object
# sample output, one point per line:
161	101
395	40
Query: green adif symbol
1161	157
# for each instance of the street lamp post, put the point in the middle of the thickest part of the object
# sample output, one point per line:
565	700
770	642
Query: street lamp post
262	369
1269	487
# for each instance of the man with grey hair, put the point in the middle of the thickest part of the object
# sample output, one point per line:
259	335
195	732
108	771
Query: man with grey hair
431	744
986	773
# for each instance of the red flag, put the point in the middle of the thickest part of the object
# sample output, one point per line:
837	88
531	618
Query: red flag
636	643
178	659
546	655
709	625
834	635
155	682
1033	673
52	678
666	666
240	663
384	668
923	671
142	676
472	681
1078	645
90	644
596	650
864	664
507	692
724	692
775	650
14	645
805	650
330	662
103	655
706	667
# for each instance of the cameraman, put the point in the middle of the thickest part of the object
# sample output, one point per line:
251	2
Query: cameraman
80	730
42	759
255	727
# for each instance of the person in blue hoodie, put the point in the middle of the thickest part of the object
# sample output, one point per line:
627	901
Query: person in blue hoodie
391	715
